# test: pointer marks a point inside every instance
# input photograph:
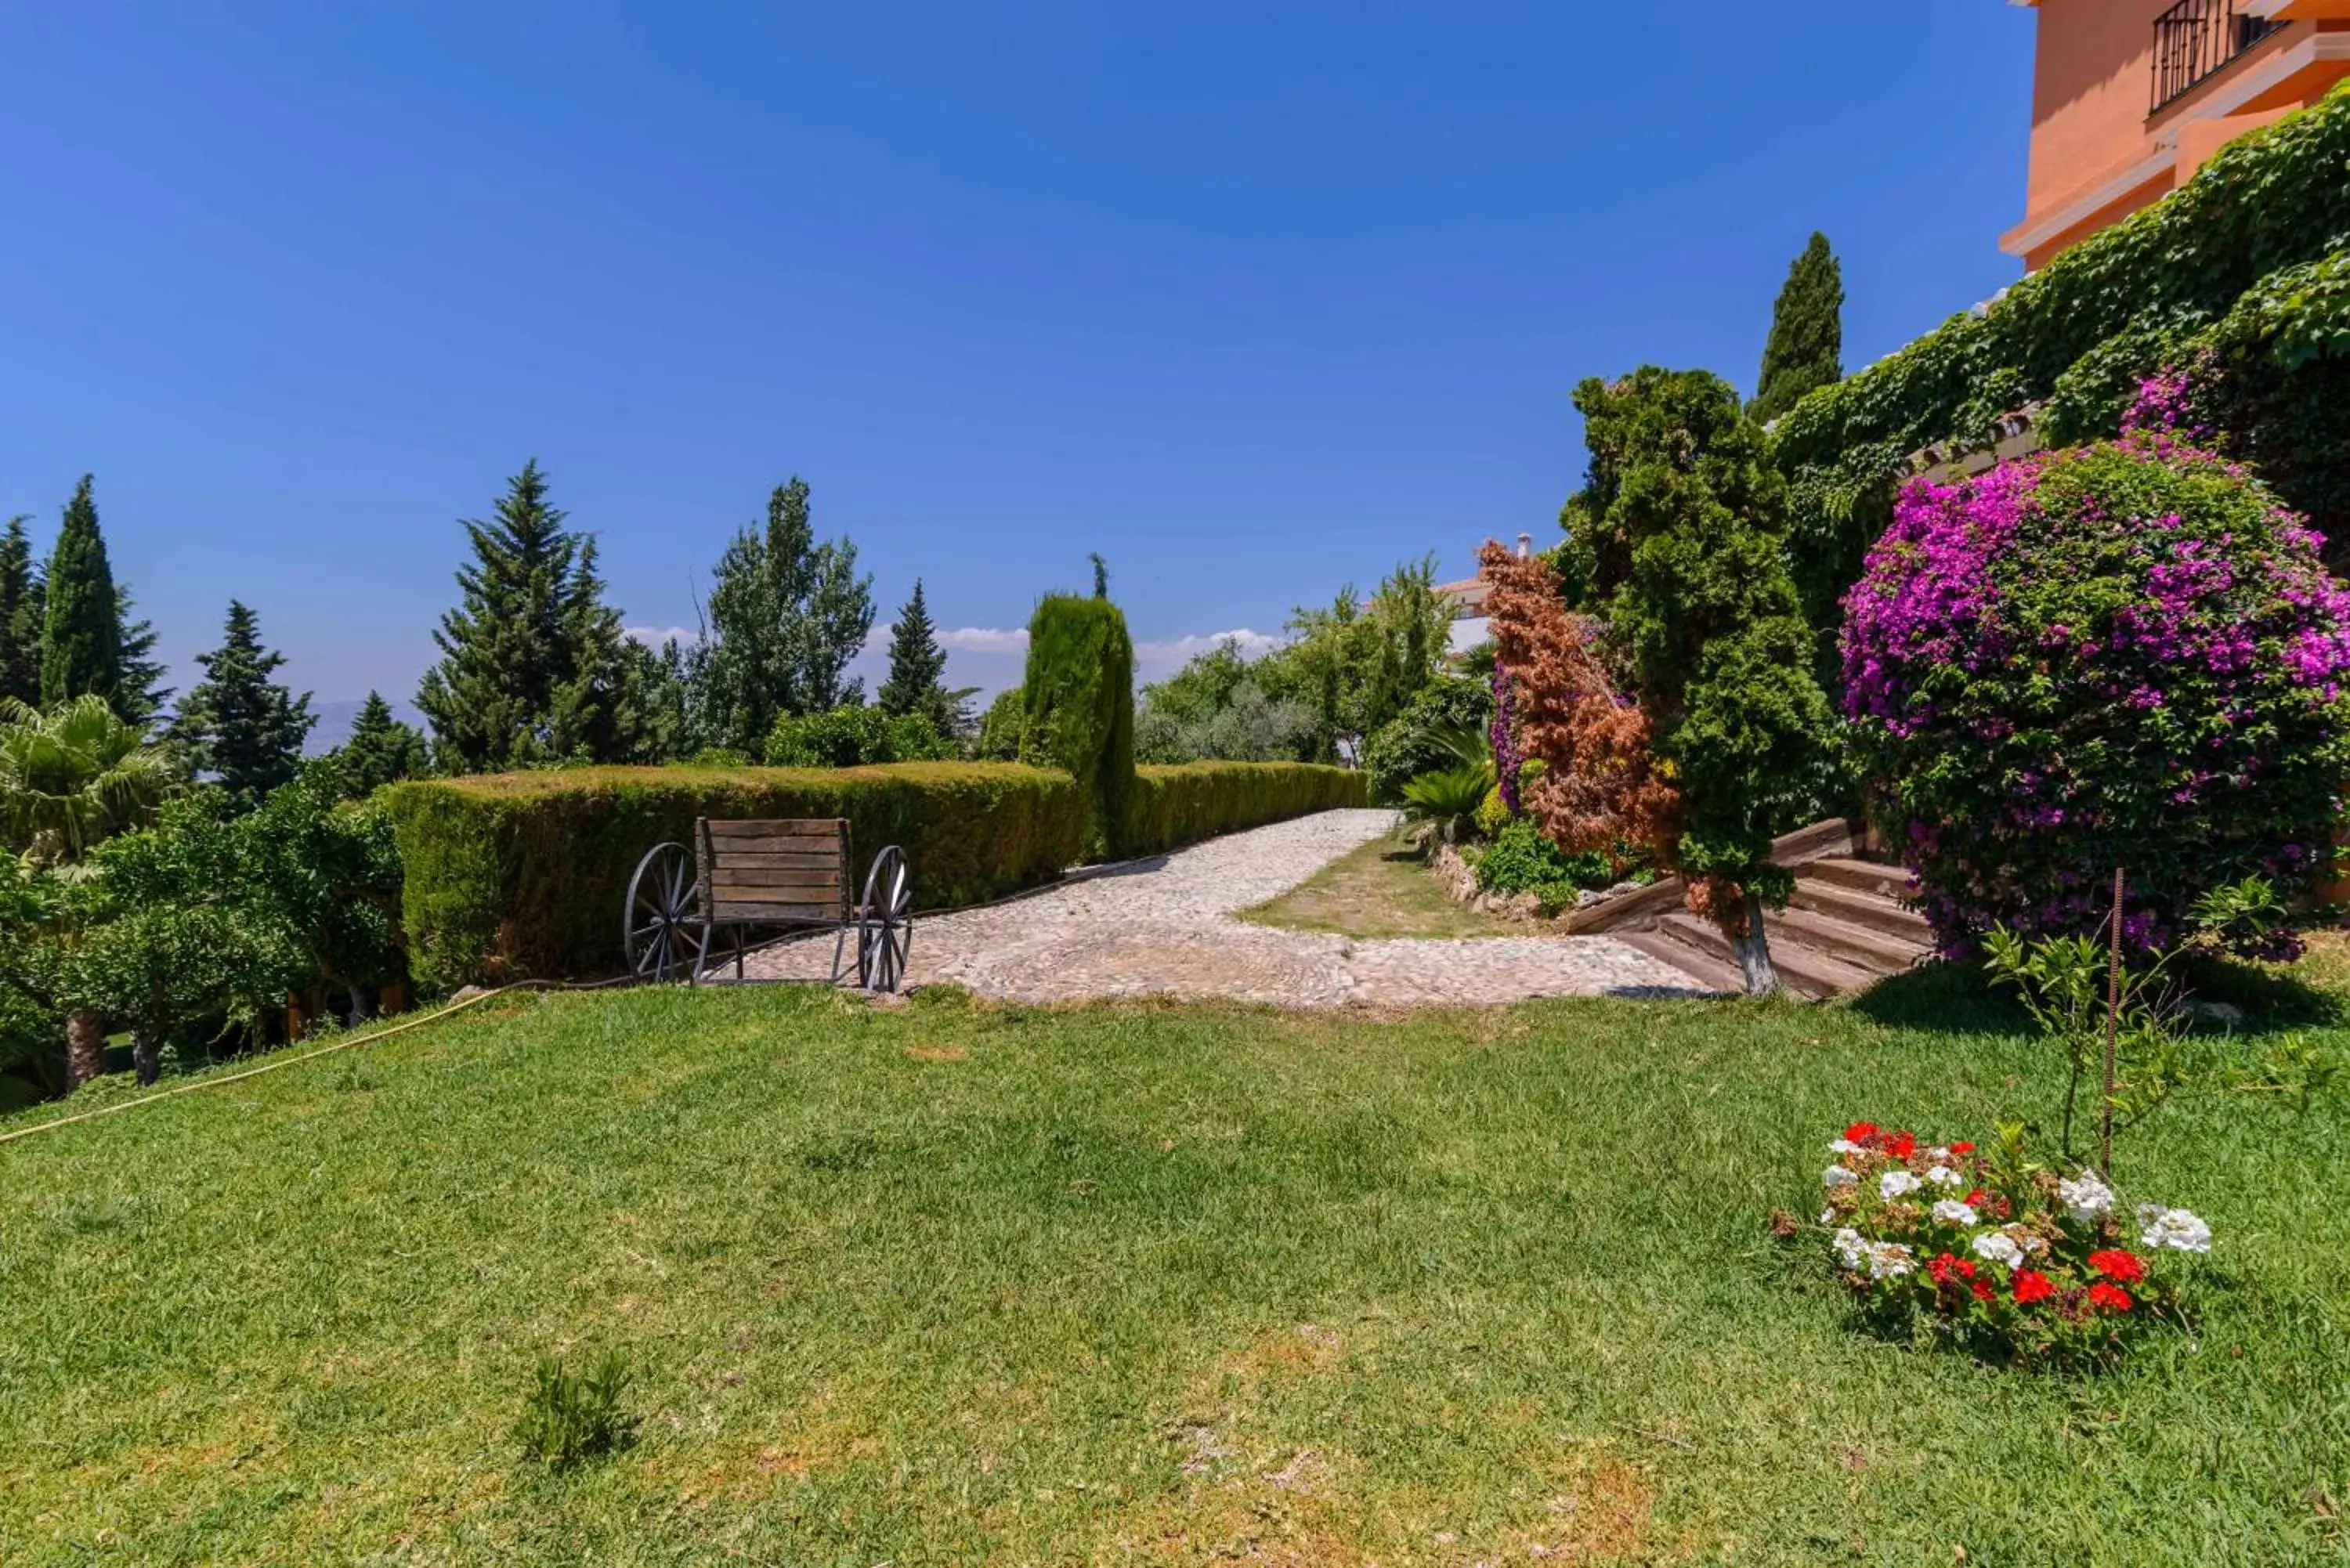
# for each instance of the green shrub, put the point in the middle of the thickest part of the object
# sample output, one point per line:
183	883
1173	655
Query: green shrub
2269	200
1182	804
855	736
569	1419
522	875
1521	860
1078	713
1418	740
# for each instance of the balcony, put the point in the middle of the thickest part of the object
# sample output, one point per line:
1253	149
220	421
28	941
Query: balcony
2196	38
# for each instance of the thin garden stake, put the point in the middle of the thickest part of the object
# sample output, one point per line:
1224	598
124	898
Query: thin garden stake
2113	1033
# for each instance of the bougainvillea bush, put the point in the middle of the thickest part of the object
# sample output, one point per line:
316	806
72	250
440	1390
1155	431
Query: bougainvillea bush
2000	1256
2125	654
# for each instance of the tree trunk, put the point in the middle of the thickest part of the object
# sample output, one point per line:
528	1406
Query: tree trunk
84	1047
146	1055
1753	950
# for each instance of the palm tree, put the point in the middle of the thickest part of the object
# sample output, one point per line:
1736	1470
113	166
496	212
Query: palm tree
74	777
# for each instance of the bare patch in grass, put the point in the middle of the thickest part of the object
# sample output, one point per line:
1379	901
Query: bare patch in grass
1381	890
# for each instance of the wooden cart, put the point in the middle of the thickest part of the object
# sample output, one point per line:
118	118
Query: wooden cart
772	877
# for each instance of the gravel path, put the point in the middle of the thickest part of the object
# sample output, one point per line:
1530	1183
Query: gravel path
1164	926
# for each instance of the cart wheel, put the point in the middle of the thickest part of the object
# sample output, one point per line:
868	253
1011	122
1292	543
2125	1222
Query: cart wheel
885	926
659	931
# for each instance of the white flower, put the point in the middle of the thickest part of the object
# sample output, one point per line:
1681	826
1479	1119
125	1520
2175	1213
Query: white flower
1944	1176
2173	1227
2031	1243
1938	1154
1887	1259
1845	1146
1837	1176
1998	1248
1893	1183
2086	1197
1826	1215
1951	1211
1850	1250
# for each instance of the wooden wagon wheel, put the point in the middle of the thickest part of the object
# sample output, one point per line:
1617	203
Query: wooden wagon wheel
885	927
661	929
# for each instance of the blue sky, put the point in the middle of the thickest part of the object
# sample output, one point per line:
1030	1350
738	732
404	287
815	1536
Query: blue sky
1253	299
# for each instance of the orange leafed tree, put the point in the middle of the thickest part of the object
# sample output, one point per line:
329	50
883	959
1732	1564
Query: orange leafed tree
1600	788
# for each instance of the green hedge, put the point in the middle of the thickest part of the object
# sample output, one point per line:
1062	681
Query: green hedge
2275	199
513	876
1173	806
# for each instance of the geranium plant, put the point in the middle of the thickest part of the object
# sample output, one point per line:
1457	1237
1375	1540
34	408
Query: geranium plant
1994	1252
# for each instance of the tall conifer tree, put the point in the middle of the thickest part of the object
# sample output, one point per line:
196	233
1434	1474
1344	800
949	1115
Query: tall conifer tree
81	627
239	726
918	667
534	666
20	616
379	751
1805	349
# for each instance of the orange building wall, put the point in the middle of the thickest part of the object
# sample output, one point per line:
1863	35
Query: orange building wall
2091	76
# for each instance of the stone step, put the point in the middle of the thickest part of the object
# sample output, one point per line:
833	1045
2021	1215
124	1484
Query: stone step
1706	972
1853	906
1876	951
1861	875
1803	969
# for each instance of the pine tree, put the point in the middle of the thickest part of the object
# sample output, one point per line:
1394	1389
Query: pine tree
20	616
81	627
143	694
240	727
917	666
534	666
786	616
1805	349
379	751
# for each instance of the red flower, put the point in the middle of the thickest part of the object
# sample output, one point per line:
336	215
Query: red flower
2112	1298
1976	1199
1962	1149
1943	1268
1984	1292
2030	1285
2116	1264
1860	1131
1904	1145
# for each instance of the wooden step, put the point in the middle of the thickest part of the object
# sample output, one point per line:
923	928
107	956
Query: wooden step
1879	952
1835	836
1853	906
1803	969
1861	875
1706	973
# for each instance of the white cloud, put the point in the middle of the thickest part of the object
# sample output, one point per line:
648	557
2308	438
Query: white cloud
1251	644
654	635
985	639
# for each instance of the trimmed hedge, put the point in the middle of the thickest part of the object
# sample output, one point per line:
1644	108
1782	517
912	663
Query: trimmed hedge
511	876
2274	199
1182	804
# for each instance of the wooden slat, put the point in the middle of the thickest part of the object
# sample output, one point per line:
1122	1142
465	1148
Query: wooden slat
818	829
826	913
731	858
727	881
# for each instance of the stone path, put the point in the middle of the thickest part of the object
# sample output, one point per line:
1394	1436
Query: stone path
1165	926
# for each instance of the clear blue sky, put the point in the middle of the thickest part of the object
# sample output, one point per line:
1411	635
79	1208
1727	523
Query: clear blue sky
1254	299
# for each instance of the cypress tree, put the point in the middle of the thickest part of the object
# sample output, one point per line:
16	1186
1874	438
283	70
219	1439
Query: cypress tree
379	751
534	666
1805	349
238	725
1077	708
20	616
82	627
916	668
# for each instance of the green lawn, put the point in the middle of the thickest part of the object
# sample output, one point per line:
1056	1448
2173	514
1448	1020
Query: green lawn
950	1284
1381	890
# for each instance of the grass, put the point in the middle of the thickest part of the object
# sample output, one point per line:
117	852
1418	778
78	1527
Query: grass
946	1283
1382	889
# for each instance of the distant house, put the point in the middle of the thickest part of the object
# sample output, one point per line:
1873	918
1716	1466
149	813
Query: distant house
2129	98
1470	625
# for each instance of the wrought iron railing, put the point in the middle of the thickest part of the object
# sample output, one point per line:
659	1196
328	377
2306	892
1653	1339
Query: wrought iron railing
2195	38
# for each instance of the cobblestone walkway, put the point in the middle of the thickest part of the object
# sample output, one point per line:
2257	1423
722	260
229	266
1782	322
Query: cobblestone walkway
1164	926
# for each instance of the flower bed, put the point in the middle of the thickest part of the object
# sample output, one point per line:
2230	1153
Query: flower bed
1991	1253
